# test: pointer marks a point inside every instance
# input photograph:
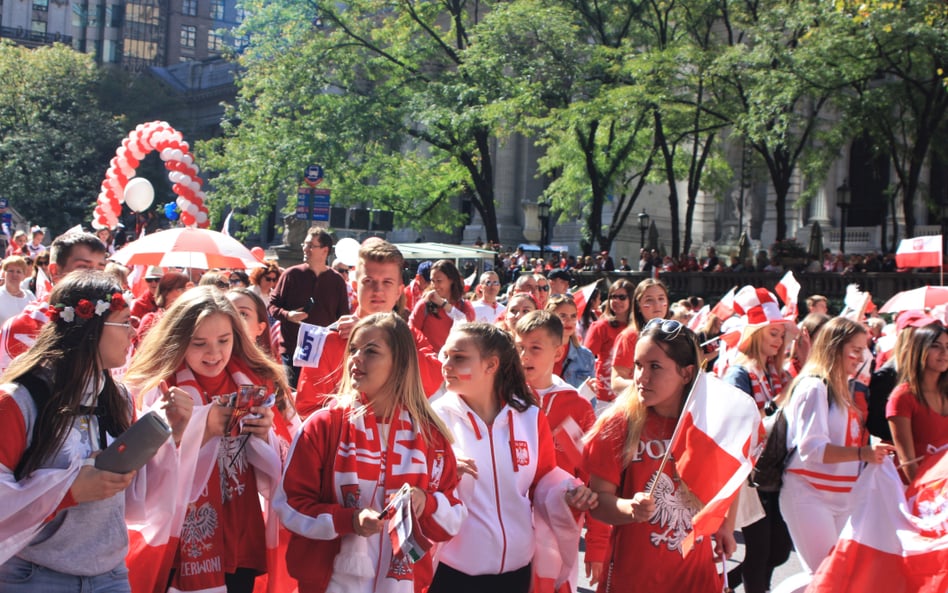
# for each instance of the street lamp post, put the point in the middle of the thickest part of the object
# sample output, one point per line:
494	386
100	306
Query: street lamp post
643	227
843	197
543	213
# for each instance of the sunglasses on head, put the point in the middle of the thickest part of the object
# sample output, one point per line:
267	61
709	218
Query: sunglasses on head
669	327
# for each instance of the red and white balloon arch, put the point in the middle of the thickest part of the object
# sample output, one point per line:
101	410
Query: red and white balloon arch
182	172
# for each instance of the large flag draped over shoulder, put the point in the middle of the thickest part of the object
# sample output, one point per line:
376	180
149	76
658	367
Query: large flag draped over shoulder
885	546
714	447
919	252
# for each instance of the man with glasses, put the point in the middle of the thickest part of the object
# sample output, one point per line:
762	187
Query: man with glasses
487	309
309	292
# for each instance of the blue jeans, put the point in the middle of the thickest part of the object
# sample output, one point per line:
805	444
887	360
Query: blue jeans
17	575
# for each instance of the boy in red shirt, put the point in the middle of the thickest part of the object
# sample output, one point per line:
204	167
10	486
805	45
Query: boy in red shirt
539	339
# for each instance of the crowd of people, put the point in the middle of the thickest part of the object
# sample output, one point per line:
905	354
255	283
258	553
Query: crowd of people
336	428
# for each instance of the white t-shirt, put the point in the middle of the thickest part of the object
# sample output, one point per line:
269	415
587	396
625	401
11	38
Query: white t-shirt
486	312
11	305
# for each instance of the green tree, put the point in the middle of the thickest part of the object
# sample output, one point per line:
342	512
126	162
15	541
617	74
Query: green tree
900	53
774	84
374	92
55	138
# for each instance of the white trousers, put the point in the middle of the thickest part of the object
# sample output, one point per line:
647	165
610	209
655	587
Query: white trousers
815	519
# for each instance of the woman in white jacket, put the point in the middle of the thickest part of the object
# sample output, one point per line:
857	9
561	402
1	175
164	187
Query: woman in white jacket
828	442
505	449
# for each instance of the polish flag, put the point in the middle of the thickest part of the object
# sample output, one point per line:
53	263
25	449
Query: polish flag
43	285
714	448
919	252
568	437
725	307
697	320
470	281
891	543
855	304
788	289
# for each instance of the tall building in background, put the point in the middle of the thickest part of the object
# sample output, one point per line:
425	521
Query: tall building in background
137	34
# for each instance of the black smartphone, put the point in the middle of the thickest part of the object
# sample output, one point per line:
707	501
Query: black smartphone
309	304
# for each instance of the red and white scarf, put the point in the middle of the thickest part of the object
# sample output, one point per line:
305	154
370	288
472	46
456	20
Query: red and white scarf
195	524
363	470
767	389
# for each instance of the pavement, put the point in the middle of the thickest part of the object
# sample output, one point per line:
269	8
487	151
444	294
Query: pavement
785	580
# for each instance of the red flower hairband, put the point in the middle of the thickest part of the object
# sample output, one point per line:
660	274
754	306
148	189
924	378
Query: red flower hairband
84	309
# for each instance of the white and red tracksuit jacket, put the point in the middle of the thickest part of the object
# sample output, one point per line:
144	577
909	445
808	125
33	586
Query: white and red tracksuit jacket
512	456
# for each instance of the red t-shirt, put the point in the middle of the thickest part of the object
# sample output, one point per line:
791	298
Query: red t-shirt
623	354
600	338
647	556
929	428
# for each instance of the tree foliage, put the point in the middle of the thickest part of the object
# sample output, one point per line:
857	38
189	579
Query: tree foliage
55	138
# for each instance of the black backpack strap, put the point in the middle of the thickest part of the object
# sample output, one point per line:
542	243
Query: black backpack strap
41	393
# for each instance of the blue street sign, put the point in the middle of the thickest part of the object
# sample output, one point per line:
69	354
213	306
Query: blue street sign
321	205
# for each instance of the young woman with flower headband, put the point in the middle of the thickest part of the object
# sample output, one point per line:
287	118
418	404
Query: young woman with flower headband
623	455
62	521
200	349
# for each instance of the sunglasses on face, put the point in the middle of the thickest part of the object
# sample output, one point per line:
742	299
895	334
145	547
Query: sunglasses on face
669	327
544	288
152	280
491	283
270	278
619	297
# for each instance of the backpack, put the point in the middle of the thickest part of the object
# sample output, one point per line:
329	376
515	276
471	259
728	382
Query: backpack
767	473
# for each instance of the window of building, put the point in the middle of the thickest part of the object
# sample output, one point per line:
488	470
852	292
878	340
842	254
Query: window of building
215	42
188	35
38	26
41	5
137	13
217	10
239	14
189	8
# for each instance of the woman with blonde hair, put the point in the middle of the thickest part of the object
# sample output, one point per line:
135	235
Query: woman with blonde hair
758	371
578	362
200	349
649	301
827	441
378	434
624	452
917	410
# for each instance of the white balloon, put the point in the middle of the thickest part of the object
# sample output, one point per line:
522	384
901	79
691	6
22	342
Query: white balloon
139	194
201	217
347	250
166	154
187	160
176	154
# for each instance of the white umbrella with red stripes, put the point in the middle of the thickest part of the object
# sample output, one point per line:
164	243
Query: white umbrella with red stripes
187	248
921	298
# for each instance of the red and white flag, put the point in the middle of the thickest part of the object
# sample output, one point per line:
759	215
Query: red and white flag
714	447
855	304
725	307
890	543
788	289
919	252
470	281
43	285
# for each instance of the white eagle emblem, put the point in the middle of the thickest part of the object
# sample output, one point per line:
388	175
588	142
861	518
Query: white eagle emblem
671	513
199	525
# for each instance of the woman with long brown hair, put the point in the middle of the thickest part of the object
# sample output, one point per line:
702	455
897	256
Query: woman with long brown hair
443	304
62	520
649	301
601	336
